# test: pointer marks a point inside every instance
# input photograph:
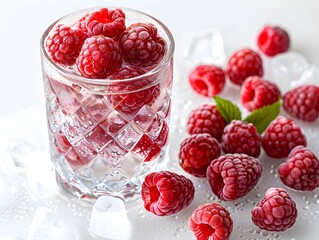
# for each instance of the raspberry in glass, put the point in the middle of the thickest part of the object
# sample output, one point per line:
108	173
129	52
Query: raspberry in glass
281	136
232	176
211	221
242	64
276	212
273	40
257	93
206	119
165	193
301	170
303	102
196	152
207	80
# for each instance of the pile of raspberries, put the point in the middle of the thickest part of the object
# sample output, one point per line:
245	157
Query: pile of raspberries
226	152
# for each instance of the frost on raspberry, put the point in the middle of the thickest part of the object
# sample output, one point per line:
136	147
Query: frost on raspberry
64	43
142	45
301	170
276	212
232	176
165	193
211	221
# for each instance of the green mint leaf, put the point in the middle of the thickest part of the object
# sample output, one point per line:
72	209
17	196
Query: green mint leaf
262	117
227	109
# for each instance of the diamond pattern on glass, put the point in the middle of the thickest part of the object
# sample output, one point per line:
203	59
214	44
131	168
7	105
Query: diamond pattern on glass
130	164
155	127
113	153
85	150
143	118
74	160
97	107
113	123
85	121
55	114
128	137
98	137
101	168
115	180
87	177
146	148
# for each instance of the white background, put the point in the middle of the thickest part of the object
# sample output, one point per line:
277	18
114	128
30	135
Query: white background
22	23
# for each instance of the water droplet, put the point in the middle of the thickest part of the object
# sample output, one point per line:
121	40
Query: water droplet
258	195
264	233
176	234
306	208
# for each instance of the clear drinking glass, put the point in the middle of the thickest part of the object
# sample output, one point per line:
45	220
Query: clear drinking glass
98	144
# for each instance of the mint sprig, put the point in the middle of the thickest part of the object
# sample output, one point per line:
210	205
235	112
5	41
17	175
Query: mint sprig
227	109
262	117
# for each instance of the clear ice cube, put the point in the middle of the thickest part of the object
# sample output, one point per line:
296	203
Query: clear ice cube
50	225
109	218
204	47
291	69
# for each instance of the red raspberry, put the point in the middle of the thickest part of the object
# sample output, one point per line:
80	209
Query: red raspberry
242	64
207	80
128	97
64	44
142	46
301	170
206	119
107	22
276	212
211	221
257	93
303	102
99	57
241	137
232	176
165	193
281	136
273	40
196	153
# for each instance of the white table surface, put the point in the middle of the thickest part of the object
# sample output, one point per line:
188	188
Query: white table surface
22	112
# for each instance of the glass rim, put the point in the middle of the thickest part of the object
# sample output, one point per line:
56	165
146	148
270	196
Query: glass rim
102	82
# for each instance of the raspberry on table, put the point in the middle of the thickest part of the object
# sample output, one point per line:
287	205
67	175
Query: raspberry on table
281	136
242	64
165	193
303	102
257	93
301	170
107	22
276	212
142	45
206	119
241	137
211	221
127	97
64	43
273	40
207	80
196	153
99	57
232	176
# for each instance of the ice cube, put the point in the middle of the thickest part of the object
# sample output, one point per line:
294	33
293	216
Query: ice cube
289	70
204	47
50	225
109	218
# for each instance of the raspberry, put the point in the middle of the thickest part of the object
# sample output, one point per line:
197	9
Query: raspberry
232	176
165	193
196	153
99	57
303	102
242	64
257	93
281	136
128	97
211	221
276	212
207	80
273	40
241	137
142	46
106	22
206	119
301	170
64	44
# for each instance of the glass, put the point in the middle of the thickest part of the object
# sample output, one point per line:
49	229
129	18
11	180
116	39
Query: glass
98	145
